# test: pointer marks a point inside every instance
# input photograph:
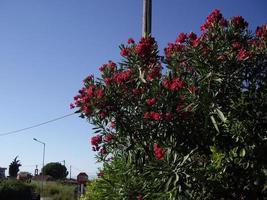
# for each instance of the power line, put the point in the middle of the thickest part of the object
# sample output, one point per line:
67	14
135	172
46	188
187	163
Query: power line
36	125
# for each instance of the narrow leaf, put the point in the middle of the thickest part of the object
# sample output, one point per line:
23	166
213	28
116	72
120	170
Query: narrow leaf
214	123
220	115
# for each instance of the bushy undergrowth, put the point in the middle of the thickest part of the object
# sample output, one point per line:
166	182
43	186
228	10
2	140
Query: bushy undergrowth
197	131
15	190
56	190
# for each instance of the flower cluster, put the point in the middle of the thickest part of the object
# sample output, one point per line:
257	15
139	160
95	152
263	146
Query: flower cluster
108	137
243	54
158	152
108	66
145	46
261	32
151	102
239	22
214	18
122	76
175	84
173	48
152	115
95	141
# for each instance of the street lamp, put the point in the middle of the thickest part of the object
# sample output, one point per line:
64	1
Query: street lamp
43	163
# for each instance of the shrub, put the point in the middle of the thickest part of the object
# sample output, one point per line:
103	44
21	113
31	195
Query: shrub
15	190
197	131
55	190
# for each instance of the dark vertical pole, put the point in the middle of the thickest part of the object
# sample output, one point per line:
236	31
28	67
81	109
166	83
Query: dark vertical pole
147	14
43	170
70	171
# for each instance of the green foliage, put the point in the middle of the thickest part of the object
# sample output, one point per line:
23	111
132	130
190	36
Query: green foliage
15	190
56	190
14	167
196	132
120	180
55	170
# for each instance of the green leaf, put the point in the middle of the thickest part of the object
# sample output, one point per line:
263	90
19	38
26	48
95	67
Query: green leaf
185	158
214	123
176	179
242	152
168	184
220	115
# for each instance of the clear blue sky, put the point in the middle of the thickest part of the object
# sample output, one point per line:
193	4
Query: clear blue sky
47	47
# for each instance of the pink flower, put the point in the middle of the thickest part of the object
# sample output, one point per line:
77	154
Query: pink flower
214	17
154	73
181	38
145	46
166	83
243	54
103	67
99	93
102	115
261	31
158	152
130	41
86	109
112	125
122	76
152	115
72	106
196	42
90	91
151	102
192	36
236	45
88	79
155	116
177	84
224	22
147	115
96	140
169	50
124	52
103	151
108	137
110	65
108	80
239	22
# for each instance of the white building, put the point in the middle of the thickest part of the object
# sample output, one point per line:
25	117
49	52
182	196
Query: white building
2	172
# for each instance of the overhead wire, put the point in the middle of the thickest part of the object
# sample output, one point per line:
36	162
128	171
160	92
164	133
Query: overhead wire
36	125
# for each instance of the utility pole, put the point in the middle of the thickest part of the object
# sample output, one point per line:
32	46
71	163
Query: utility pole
147	17
70	171
43	163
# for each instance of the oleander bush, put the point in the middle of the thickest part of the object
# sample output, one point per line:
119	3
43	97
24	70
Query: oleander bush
187	125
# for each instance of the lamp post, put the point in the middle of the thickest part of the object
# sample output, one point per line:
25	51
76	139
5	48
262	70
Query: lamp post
43	163
147	17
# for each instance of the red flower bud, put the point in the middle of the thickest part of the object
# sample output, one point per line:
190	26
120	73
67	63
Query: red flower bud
151	102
